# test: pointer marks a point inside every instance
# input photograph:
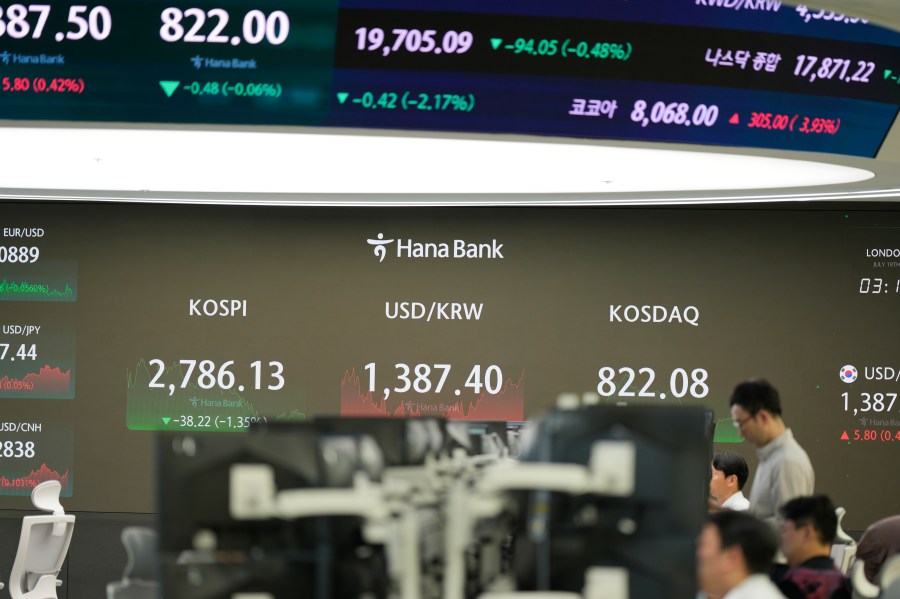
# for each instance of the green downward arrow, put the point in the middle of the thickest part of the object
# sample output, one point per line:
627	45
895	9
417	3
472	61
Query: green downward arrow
166	421
342	97
169	87
495	42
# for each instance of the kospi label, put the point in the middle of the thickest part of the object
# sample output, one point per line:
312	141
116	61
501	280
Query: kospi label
217	307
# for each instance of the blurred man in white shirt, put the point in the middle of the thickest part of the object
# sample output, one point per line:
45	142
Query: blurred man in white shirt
729	473
734	555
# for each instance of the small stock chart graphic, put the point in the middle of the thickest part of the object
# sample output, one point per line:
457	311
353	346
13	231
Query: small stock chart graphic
507	403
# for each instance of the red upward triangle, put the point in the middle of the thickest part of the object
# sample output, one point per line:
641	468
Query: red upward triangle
735	119
845	436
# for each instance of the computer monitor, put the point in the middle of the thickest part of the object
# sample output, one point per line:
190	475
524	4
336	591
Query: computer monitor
477	437
206	553
652	533
402	441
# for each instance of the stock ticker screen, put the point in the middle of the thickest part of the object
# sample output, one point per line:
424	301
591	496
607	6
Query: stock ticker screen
120	320
755	73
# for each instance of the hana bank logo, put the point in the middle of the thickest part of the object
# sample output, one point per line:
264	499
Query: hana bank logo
457	249
380	242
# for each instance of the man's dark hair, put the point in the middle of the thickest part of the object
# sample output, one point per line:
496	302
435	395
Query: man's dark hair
816	510
731	463
755	538
756	395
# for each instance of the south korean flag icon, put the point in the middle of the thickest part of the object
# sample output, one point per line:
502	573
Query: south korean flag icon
848	373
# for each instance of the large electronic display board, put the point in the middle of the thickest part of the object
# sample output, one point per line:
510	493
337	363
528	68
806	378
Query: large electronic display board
724	72
123	319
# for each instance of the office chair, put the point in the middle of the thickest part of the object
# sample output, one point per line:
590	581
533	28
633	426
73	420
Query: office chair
139	580
43	545
862	588
889	575
843	550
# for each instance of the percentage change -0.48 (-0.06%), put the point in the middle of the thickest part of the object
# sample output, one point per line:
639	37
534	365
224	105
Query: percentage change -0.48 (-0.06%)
224	88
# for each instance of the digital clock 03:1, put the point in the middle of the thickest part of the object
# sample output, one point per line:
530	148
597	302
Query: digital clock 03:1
871	285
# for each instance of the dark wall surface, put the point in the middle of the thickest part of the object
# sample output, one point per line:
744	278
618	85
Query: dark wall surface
121	320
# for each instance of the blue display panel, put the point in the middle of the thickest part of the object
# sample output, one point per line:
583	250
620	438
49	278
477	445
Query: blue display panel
724	72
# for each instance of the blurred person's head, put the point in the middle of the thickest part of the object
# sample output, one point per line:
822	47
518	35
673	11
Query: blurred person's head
807	529
729	473
756	411
732	547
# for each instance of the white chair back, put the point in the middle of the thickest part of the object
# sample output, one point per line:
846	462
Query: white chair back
842	556
43	545
862	588
843	550
140	578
